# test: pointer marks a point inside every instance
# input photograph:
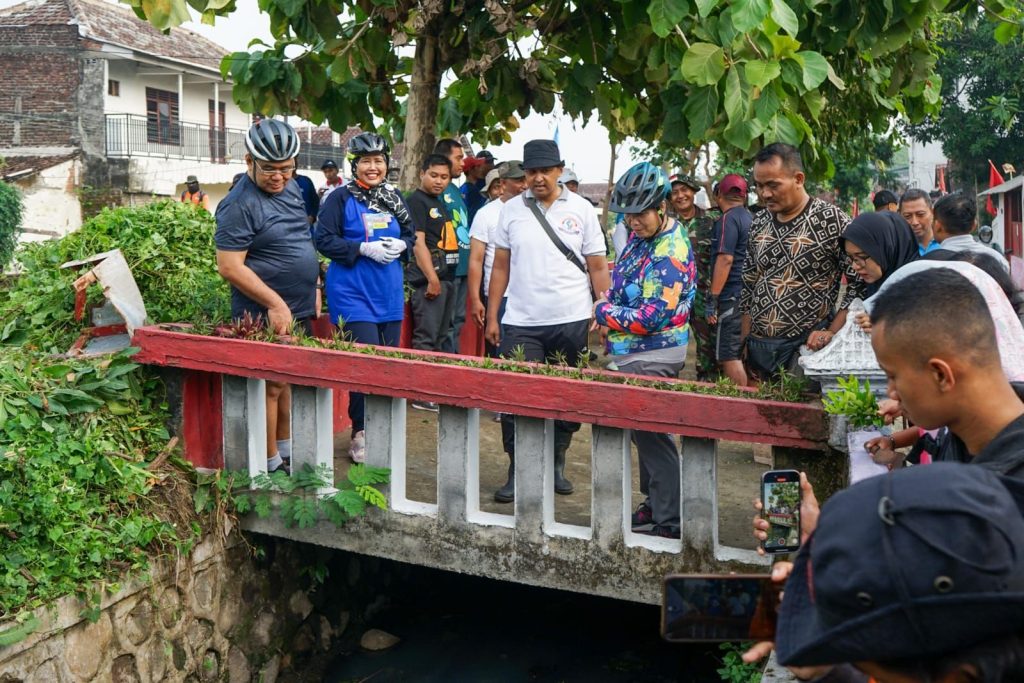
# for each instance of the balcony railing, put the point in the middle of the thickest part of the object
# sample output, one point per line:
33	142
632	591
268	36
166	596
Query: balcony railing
131	135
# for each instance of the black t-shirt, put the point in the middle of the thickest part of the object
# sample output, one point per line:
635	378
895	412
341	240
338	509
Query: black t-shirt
731	239
274	231
430	217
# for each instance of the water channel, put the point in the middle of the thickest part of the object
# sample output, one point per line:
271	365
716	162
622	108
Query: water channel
461	628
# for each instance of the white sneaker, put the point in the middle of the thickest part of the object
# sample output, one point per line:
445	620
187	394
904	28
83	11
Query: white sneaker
357	449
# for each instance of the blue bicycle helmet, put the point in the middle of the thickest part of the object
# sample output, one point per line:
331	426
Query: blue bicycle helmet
366	144
645	186
272	140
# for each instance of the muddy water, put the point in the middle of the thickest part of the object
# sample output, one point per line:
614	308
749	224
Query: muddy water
459	628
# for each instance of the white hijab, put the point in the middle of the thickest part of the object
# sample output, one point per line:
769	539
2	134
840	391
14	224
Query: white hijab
1009	332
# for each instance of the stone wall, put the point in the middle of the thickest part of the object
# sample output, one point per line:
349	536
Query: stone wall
223	616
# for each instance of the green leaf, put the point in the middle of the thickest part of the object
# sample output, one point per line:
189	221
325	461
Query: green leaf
835	79
743	134
784	46
748	14
737	96
703	64
1005	32
815	102
351	502
815	68
704	7
164	14
784	16
779	129
701	111
665	14
361	475
760	73
20	632
373	496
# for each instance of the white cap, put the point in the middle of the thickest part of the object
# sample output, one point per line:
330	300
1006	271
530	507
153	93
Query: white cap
491	176
568	176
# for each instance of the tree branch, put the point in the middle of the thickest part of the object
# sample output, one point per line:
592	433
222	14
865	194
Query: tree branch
683	36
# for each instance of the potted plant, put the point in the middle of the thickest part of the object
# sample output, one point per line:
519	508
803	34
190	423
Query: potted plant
855	421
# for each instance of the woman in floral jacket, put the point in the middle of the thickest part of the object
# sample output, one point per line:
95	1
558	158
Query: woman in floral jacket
647	313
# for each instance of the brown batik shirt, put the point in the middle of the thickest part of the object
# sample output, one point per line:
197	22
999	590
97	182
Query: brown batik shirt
793	271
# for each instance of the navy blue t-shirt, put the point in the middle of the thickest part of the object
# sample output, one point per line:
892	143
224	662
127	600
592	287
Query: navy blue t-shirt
731	239
274	231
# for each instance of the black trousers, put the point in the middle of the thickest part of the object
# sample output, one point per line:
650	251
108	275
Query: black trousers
432	318
544	344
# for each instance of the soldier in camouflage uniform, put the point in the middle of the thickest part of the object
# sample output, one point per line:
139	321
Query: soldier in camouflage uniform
697	223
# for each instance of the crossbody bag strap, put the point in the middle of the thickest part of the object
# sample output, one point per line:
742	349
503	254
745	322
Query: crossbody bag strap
568	253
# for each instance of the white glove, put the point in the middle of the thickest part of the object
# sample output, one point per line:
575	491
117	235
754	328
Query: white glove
376	251
394	245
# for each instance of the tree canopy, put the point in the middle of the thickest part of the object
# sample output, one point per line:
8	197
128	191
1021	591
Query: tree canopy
982	94
741	73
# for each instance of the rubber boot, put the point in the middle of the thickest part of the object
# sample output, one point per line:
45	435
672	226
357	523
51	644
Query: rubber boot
562	485
507	493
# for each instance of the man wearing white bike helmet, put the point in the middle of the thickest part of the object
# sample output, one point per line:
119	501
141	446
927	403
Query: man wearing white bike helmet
265	252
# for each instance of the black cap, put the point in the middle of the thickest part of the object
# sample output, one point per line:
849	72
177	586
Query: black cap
329	163
487	156
541	154
909	565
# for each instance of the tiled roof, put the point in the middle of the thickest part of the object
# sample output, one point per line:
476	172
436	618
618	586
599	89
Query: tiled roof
108	22
13	166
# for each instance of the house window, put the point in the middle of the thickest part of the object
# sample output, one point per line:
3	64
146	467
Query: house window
114	88
162	125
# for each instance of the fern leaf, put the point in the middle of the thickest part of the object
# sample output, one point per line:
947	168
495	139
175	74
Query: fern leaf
373	496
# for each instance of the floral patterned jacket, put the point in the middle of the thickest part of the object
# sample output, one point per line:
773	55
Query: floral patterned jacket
648	305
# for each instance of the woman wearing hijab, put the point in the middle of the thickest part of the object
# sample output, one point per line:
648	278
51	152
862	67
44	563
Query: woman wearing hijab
364	227
877	244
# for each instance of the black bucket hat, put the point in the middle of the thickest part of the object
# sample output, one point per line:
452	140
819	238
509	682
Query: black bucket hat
914	564
541	154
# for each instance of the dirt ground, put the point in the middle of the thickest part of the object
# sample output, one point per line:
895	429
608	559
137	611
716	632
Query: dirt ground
738	475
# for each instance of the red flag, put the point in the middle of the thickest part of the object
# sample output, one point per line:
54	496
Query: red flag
942	180
993	179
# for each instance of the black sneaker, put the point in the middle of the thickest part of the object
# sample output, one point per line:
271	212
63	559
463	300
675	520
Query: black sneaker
662	531
429	406
285	466
643	518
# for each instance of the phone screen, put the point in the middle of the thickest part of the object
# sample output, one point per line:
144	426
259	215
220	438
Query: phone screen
719	608
780	497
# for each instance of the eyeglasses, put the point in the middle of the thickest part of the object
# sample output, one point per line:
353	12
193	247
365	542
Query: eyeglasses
860	260
271	172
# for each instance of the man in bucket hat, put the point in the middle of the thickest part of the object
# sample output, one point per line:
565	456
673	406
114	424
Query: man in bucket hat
917	575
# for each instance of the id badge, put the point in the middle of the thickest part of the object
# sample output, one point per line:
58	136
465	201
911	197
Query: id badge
375	223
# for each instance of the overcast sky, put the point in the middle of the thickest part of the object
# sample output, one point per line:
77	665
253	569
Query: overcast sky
584	145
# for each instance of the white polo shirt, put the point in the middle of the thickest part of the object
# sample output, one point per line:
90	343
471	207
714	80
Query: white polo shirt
484	223
544	287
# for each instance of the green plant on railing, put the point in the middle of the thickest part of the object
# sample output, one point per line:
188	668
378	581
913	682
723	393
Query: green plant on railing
734	669
232	492
855	401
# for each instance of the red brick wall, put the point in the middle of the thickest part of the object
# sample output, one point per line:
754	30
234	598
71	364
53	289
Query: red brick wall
40	66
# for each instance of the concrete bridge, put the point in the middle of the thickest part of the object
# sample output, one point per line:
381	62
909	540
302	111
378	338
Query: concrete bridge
224	426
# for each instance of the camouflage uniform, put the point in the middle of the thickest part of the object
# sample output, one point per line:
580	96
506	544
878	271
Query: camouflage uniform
699	229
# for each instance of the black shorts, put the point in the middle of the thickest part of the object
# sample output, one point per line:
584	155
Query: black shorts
728	333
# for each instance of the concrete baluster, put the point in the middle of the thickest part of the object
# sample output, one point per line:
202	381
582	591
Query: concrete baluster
699	498
612	488
245	424
313	431
458	463
535	465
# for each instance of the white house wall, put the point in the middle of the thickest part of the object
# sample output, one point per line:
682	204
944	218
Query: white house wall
50	205
194	104
923	159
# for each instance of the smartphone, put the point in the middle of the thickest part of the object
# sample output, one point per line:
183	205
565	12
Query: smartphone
719	608
780	500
